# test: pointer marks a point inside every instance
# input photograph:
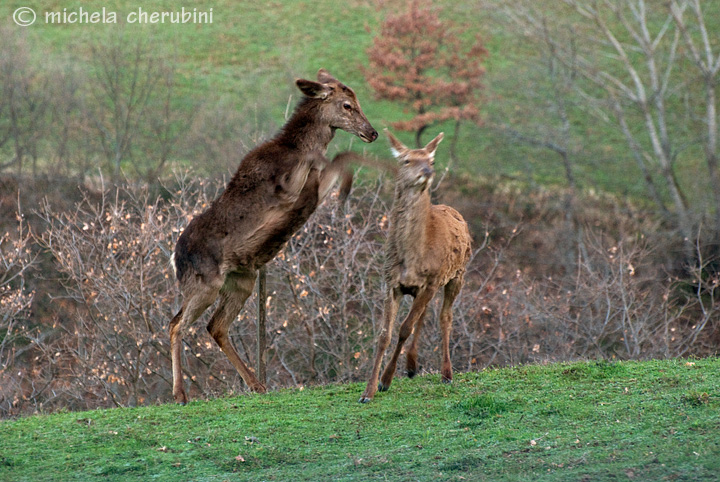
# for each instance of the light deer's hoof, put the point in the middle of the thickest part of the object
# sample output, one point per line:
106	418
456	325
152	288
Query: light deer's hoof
181	398
365	399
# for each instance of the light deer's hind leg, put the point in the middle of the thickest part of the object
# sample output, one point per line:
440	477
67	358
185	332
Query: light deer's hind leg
233	295
417	312
411	363
451	291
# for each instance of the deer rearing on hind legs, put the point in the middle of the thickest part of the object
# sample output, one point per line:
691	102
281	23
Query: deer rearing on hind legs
428	248
277	186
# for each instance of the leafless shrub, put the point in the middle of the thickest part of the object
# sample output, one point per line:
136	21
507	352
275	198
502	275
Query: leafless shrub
619	304
324	305
113	251
17	259
107	344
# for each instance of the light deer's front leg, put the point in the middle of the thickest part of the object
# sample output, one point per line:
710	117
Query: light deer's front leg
390	311
411	356
417	311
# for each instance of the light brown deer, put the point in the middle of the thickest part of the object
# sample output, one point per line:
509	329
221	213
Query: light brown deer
428	248
277	186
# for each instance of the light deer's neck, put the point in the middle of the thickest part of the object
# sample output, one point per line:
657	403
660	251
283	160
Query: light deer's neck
409	220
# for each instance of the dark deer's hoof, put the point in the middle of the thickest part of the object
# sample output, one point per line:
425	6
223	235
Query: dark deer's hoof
446	380
364	400
382	387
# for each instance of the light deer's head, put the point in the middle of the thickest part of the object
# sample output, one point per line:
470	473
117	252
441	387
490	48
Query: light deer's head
340	106
416	169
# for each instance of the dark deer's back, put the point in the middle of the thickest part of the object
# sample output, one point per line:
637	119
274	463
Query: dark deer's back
272	194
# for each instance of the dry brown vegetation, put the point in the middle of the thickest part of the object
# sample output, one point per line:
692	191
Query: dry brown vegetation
83	322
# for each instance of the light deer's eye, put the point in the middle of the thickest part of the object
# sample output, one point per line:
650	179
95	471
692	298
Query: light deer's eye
347	106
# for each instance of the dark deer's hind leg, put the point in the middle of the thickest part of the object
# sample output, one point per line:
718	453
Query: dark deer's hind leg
193	306
234	293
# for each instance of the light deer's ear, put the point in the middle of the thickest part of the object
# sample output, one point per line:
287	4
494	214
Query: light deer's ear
325	77
433	144
397	148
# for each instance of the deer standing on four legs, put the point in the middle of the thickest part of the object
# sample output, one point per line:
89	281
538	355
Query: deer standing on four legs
428	248
277	186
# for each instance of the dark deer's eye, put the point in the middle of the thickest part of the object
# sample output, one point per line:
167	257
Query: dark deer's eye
347	106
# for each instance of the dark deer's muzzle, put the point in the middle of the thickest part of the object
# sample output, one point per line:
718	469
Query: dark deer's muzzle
369	134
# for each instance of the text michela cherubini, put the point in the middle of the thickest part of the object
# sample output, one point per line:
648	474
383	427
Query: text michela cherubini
81	15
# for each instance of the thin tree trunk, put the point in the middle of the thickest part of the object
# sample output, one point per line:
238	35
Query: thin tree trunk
261	326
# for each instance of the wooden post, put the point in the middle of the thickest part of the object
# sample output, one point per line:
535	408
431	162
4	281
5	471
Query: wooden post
261	332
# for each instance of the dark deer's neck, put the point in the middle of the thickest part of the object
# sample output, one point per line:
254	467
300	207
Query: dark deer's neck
409	220
306	130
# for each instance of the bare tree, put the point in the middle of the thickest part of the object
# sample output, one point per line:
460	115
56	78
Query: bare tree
22	101
628	67
706	60
128	77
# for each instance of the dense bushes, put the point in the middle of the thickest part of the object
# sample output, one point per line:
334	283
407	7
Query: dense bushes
104	342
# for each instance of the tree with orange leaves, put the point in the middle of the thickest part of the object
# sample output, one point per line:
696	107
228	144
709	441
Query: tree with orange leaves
420	61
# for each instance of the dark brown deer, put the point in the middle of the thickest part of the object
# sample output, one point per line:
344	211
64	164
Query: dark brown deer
277	186
428	248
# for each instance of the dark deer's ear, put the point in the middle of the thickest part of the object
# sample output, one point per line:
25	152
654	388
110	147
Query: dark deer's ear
433	144
324	76
313	89
397	148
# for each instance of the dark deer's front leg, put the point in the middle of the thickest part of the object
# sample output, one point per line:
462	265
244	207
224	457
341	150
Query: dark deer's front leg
390	311
417	311
339	168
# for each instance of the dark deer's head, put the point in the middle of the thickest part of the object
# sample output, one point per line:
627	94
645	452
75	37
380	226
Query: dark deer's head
416	169
340	107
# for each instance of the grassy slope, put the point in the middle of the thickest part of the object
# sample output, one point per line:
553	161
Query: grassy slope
596	421
253	50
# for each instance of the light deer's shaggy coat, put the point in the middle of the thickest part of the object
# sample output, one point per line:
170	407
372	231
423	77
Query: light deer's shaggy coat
428	248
